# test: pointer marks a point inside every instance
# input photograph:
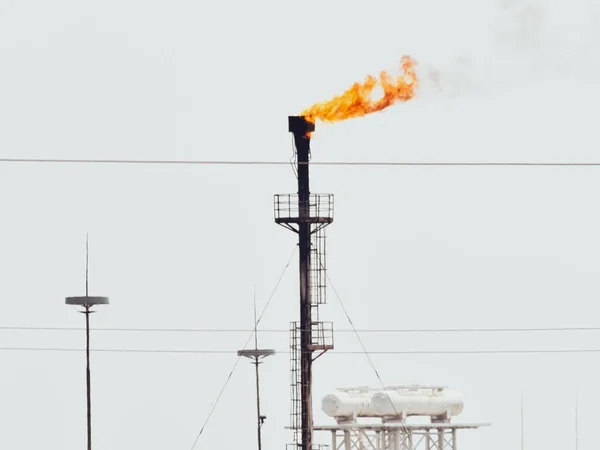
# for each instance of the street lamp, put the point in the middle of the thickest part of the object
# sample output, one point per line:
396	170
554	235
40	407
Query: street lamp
86	303
257	355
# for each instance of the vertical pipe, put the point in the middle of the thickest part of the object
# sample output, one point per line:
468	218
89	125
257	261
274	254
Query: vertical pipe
454	439
88	378
304	237
333	440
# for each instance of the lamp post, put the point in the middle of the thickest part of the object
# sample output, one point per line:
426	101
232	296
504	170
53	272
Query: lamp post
86	303
257	355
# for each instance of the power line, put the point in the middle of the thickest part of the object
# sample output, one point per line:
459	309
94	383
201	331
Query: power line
280	163
334	352
277	330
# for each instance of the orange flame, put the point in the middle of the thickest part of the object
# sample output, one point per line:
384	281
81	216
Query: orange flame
357	101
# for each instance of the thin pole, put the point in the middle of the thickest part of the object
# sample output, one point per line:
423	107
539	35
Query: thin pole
86	263
522	423
255	322
576	420
88	378
259	423
256	363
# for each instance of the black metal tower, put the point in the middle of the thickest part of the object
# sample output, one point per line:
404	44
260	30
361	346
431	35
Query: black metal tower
306	214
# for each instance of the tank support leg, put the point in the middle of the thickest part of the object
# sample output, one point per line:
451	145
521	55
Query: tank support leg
347	440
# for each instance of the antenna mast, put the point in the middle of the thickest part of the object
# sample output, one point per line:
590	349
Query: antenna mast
87	263
255	321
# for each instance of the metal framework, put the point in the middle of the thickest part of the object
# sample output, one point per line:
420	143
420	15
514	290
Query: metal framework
307	215
395	436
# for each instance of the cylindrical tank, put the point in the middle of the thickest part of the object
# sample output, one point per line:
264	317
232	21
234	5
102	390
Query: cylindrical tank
417	402
348	404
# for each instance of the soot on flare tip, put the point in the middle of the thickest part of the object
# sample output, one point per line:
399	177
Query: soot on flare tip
301	129
299	126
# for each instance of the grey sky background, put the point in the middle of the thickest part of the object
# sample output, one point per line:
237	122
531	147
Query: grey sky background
183	246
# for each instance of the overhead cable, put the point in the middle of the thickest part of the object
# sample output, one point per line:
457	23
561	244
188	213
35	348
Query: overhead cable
280	163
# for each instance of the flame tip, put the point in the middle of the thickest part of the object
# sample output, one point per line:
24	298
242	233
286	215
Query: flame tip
357	102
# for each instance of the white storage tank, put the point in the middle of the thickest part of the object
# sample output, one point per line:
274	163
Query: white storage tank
347	404
402	402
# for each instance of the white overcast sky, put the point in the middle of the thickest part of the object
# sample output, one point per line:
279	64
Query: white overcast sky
182	246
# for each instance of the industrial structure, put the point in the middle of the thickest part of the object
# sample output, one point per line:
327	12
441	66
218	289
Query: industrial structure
307	215
391	406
